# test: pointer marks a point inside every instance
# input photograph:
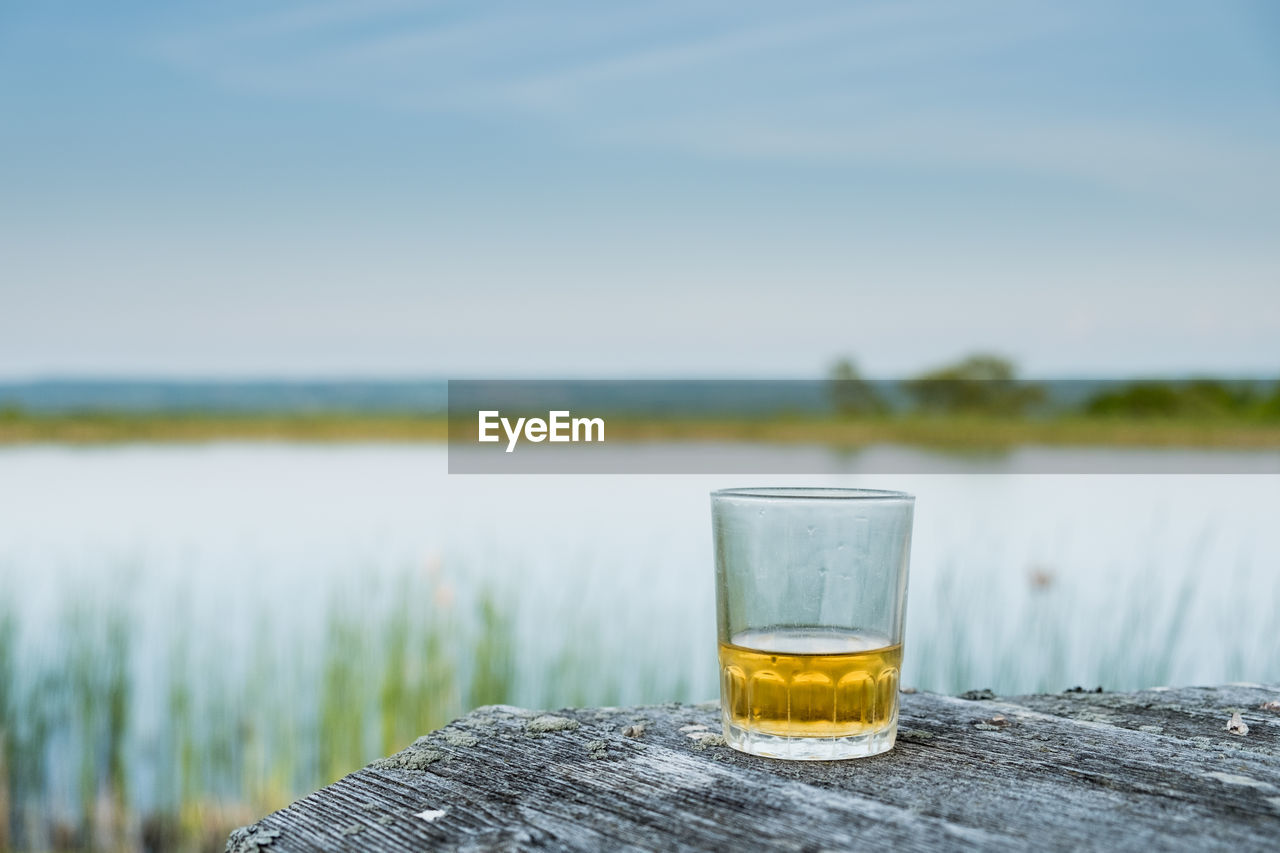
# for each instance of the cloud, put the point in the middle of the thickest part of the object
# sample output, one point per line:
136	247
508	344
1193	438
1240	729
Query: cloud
1174	162
523	57
930	85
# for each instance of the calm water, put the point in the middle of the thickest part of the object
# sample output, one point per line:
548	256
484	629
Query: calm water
259	579
226	534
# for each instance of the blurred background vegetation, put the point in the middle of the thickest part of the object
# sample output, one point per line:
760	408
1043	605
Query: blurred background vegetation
235	739
101	751
988	384
977	400
98	754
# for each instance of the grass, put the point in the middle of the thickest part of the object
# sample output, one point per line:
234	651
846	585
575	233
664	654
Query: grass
232	746
8	721
240	738
947	432
962	432
119	427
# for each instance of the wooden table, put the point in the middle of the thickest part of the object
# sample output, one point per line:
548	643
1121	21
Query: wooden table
1153	770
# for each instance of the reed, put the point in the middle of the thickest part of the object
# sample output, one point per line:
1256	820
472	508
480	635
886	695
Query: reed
239	737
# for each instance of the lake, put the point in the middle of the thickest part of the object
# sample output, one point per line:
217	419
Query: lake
271	575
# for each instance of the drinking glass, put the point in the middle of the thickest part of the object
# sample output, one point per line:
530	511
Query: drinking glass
811	593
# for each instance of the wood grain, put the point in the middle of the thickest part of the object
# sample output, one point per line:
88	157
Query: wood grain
1155	769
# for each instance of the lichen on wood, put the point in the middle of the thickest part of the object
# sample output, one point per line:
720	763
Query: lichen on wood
1155	769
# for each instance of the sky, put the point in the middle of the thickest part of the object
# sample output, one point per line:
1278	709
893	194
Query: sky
377	188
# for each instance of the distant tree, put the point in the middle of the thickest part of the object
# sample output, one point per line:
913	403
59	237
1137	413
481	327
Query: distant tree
1138	399
1269	406
1197	398
851	394
1218	397
979	383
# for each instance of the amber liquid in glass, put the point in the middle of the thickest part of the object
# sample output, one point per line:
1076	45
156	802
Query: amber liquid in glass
810	682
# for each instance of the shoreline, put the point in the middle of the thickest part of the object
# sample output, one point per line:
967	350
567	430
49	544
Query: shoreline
968	431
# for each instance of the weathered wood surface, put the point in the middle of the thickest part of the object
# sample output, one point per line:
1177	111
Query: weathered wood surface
1156	769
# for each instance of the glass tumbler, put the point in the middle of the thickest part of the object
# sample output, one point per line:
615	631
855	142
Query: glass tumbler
811	594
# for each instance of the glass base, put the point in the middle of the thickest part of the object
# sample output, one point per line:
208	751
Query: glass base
862	745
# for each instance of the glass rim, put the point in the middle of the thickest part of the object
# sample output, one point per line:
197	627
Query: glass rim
836	493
